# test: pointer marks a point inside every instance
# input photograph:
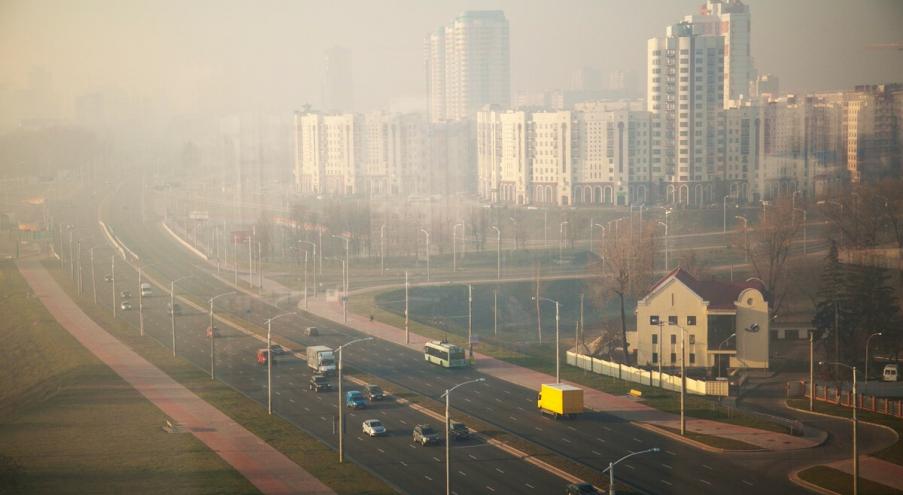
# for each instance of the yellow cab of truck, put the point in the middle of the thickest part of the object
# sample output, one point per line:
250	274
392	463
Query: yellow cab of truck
560	399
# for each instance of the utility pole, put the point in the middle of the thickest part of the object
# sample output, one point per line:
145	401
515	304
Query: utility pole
113	276
407	334
470	319
495	312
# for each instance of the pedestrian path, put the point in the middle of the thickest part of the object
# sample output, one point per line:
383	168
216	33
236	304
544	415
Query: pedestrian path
874	469
265	467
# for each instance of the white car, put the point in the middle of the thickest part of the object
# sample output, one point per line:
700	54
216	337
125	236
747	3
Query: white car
373	427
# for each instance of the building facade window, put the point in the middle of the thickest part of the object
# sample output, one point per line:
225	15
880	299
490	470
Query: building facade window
672	320
654	339
692	339
654	357
673	358
691	321
692	358
673	338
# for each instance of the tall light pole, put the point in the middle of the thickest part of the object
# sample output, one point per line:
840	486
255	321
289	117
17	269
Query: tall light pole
557	348
447	396
427	253
470	319
341	405
455	245
407	333
683	381
667	264
745	237
865	365
141	300
561	227
172	310
724	214
346	275
611	467
835	203
498	252
601	243
314	245
804	227
382	248
113	279
811	370
213	334
270	360
93	275
853	404
306	252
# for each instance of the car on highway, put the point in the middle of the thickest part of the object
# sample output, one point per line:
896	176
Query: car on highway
213	331
355	399
458	430
278	350
125	294
373	427
125	305
108	278
581	489
312	332
425	434
318	383
263	356
375	392
174	309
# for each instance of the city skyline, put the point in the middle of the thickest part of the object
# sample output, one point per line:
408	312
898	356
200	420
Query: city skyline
170	62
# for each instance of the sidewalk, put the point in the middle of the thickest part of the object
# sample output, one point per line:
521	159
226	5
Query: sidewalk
265	467
626	408
874	469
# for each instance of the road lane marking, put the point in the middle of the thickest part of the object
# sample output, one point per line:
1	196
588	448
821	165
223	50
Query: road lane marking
499	470
666	466
596	453
747	482
708	467
566	440
666	482
471	456
629	466
704	481
600	439
528	485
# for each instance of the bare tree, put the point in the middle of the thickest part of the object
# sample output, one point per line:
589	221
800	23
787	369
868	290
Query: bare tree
768	247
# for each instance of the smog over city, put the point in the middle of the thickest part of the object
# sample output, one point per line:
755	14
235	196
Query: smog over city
460	247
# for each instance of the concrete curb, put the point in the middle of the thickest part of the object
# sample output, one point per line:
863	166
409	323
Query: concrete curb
826	415
795	479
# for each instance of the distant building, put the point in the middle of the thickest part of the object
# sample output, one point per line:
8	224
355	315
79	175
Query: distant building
468	65
338	94
725	324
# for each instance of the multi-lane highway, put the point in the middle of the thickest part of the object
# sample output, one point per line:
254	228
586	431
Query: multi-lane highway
594	439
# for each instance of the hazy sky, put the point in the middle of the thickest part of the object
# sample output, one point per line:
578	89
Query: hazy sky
224	55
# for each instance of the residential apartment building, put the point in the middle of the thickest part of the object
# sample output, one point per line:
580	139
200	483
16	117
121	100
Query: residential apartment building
724	325
468	65
381	154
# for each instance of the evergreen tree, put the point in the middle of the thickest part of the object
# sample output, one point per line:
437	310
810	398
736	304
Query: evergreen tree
875	309
831	292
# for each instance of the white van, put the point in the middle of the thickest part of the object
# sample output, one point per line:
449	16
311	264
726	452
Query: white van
890	373
146	289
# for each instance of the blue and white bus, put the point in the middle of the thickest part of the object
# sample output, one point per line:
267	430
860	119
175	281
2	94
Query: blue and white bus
444	354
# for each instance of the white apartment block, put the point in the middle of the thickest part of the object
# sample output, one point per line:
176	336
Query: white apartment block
468	65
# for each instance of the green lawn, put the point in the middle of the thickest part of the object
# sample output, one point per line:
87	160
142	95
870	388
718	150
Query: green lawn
894	453
841	482
306	451
69	424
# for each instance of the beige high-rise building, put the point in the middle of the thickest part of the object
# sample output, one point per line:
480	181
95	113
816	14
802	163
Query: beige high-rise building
468	65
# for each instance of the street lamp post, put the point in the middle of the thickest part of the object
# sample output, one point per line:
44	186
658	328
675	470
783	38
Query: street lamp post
611	467
561	240
683	381
498	252
470	319
427	253
557	348
745	237
172	310
346	276
341	405
853	405
382	248
93	275
667	264
315	267
270	360
804	227
213	334
447	396
455	245
865	365
721	356
724	214
113	279
601	243
407	334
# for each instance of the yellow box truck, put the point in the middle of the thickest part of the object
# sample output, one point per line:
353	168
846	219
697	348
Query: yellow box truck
559	399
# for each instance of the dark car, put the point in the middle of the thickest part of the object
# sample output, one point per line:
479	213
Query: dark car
278	350
425	434
174	309
581	489
374	392
318	383
355	399
125	294
458	430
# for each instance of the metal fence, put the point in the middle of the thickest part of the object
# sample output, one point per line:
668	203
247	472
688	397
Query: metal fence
839	396
647	377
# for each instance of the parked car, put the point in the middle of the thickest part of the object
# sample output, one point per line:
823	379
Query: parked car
312	332
355	399
889	374
125	294
374	392
213	331
278	350
458	430
318	383
108	278
374	428
581	489
125	306
425	434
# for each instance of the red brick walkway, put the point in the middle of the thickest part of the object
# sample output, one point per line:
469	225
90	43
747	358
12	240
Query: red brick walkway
268	469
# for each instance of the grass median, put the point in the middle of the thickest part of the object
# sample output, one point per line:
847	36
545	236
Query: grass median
842	483
305	450
69	424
